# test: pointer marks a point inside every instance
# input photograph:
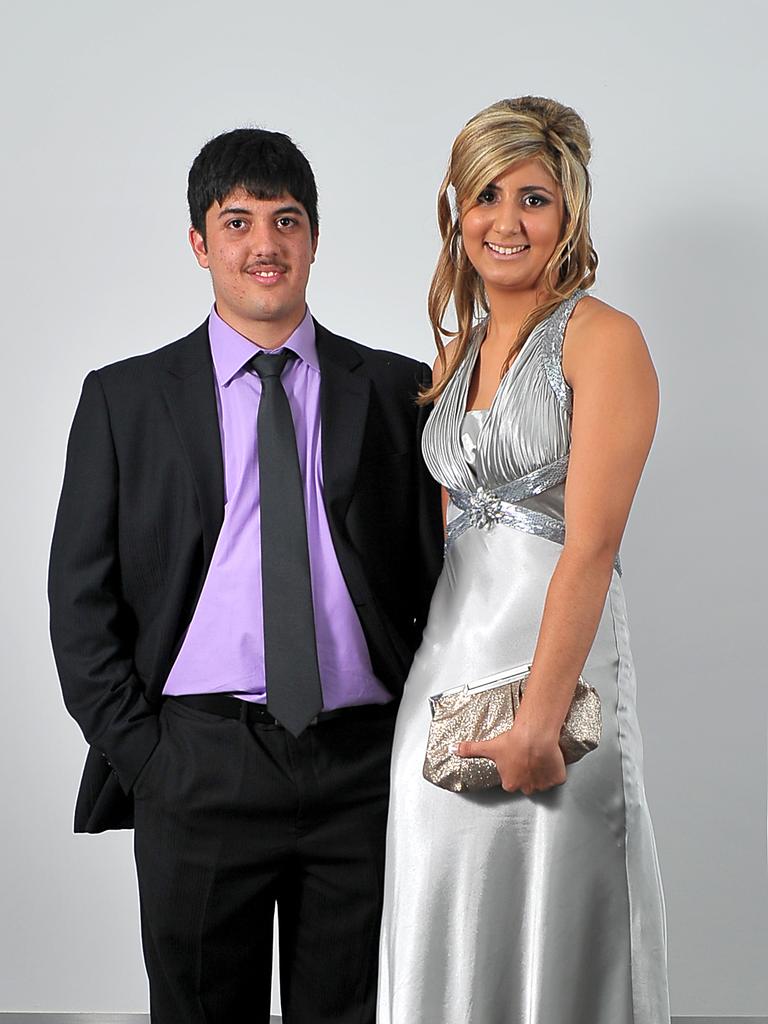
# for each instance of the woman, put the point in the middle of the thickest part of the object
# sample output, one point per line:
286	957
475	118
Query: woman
537	902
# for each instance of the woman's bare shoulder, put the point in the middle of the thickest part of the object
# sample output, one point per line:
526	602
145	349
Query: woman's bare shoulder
593	315
598	333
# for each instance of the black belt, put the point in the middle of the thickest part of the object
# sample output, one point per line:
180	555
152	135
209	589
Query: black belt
229	706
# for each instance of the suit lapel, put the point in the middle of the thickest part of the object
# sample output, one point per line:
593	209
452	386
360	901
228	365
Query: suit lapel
190	392
344	398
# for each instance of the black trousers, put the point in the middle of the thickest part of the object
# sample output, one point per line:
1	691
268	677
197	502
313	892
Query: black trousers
234	819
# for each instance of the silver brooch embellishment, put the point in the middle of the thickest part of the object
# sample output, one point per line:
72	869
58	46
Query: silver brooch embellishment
485	509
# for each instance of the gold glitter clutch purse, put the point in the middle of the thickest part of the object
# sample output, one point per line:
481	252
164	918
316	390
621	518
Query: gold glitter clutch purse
485	709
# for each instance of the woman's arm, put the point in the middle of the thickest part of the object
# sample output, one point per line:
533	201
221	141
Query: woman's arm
615	405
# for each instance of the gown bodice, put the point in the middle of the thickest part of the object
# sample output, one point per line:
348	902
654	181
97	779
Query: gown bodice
528	425
507	464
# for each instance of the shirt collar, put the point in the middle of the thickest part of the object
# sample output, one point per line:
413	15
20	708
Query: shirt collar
231	350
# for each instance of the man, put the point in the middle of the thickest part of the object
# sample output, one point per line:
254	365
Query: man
243	558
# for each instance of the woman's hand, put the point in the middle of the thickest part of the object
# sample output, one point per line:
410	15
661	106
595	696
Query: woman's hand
526	759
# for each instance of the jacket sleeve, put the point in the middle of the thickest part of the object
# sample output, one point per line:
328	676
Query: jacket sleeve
92	628
430	520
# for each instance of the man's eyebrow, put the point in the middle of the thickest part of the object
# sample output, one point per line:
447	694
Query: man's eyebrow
232	209
288	209
279	212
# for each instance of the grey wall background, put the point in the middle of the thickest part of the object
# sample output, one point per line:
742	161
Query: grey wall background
106	105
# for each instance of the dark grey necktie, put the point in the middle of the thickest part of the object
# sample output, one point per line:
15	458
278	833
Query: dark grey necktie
294	696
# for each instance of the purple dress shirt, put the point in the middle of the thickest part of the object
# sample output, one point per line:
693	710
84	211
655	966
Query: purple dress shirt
223	649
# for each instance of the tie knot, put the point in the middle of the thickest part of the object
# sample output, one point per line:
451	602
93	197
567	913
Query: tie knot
271	366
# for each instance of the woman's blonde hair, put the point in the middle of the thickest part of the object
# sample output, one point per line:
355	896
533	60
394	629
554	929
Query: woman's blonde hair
504	134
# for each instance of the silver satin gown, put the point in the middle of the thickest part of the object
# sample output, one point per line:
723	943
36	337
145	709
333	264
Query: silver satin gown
501	908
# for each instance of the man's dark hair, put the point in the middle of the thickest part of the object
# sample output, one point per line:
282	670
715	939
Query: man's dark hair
265	164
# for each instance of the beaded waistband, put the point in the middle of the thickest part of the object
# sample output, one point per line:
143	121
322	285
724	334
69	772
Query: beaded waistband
484	508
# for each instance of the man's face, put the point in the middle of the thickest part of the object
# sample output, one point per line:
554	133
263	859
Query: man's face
258	252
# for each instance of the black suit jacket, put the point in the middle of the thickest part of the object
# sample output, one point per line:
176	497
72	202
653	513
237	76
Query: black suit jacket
140	511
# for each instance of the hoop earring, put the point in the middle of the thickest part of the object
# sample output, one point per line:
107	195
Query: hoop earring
456	251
